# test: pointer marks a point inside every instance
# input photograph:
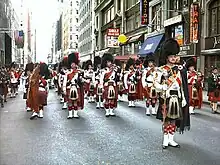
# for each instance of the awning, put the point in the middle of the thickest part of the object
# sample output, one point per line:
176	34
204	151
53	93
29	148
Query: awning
210	52
126	57
134	38
150	45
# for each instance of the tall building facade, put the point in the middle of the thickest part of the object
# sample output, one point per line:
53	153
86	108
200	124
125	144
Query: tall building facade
70	27
210	35
87	28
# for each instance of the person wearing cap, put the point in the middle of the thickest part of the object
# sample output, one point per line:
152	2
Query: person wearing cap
13	80
98	84
89	77
214	89
108	78
172	99
130	81
139	74
194	85
26	78
63	72
73	86
150	93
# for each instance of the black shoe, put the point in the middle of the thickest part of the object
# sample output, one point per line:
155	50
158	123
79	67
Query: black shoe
33	117
177	146
165	147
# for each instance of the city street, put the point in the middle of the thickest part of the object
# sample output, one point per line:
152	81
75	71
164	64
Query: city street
130	138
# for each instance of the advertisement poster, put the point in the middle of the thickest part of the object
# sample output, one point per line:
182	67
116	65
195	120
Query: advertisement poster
179	34
194	23
112	42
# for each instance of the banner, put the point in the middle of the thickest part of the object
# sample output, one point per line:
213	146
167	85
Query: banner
113	32
194	23
144	12
19	38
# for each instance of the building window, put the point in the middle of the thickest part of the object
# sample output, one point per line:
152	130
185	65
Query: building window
130	23
119	5
71	11
77	11
76	45
71	3
77	3
71	28
70	20
176	4
157	16
214	12
130	3
77	20
71	37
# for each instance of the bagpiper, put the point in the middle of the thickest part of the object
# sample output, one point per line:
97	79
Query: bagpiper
89	77
37	92
26	78
214	89
139	74
73	86
194	86
63	75
110	85
98	84
55	76
150	93
2	86
172	99
130	81
13	80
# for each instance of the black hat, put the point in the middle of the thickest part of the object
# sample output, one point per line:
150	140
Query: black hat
55	66
29	67
89	62
97	61
129	63
73	58
169	47
44	70
13	65
106	57
138	62
191	62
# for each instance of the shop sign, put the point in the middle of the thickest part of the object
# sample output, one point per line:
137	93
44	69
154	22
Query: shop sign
115	32
112	42
212	42
144	12
194	23
173	20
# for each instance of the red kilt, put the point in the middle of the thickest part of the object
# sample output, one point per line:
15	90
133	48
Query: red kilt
197	102
87	87
105	97
80	101
42	98
214	96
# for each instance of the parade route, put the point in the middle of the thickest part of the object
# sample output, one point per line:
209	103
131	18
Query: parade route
130	138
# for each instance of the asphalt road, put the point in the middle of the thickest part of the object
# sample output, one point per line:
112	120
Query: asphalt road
131	138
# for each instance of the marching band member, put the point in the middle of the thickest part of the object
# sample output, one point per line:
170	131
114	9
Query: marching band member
90	80
37	93
109	80
55	77
26	78
73	87
150	92
63	75
139	74
171	87
13	80
98	83
193	86
130	81
120	79
214	89
2	86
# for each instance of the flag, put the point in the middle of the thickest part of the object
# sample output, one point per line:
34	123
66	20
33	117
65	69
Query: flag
19	38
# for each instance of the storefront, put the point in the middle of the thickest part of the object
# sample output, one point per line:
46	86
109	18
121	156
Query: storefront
211	53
